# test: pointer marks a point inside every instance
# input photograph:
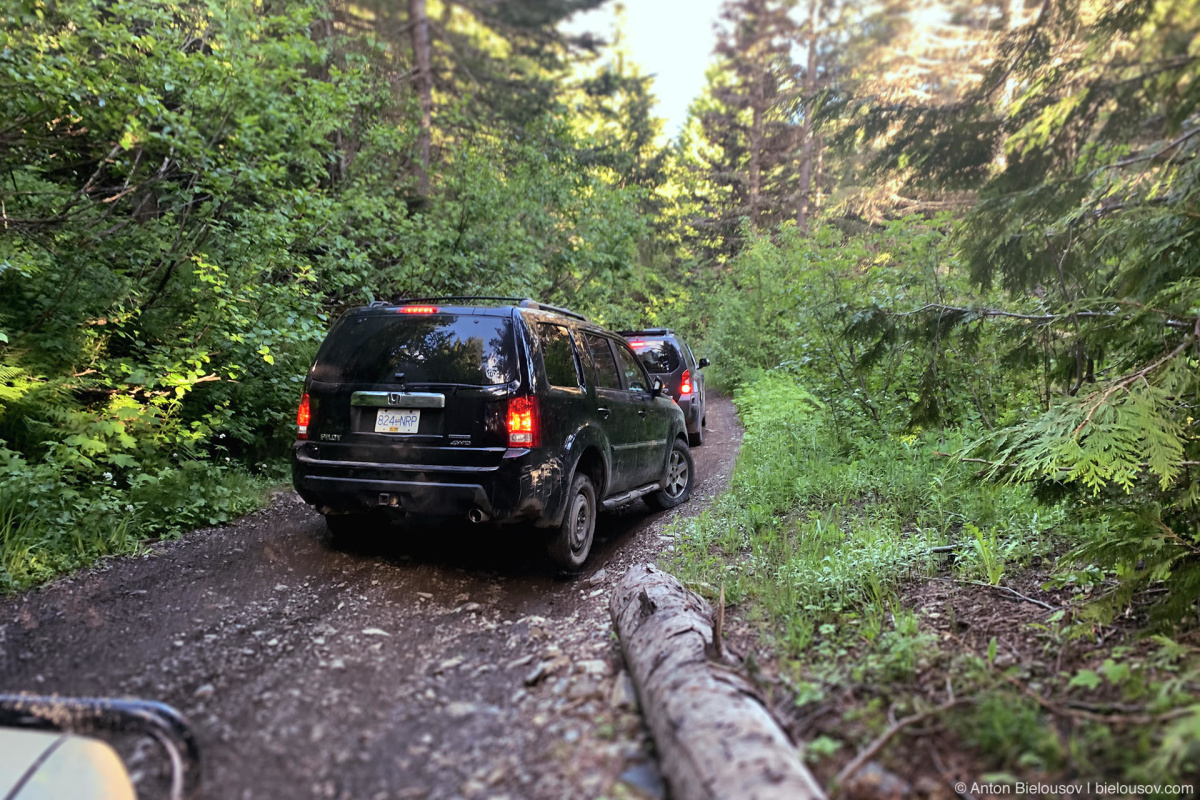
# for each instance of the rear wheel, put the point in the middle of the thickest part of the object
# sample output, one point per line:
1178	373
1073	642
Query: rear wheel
573	541
696	439
677	484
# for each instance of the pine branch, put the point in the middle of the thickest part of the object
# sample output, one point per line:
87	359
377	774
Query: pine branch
1175	536
1125	719
1038	318
1161	151
1043	15
998	465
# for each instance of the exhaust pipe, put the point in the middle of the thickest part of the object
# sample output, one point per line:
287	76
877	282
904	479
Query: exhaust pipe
476	515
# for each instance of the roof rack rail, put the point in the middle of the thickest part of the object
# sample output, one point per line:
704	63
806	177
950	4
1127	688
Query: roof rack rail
446	298
520	302
527	303
648	332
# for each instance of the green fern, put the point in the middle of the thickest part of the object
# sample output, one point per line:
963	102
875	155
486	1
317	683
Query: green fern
15	383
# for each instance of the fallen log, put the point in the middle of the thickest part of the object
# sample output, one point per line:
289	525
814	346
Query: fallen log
715	738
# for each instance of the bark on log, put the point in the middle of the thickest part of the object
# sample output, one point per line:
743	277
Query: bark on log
715	737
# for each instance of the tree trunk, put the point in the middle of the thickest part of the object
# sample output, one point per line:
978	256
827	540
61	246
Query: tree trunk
1015	19
756	144
807	205
715	737
419	23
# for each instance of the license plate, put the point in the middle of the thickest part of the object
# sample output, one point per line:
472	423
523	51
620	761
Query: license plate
397	420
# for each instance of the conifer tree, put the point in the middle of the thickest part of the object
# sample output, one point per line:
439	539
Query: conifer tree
749	143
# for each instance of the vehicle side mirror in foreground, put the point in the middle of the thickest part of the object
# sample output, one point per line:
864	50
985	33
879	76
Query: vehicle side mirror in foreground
76	761
702	363
657	388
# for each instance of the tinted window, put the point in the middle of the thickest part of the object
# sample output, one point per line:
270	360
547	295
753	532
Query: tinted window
436	348
607	376
558	355
691	359
658	355
635	379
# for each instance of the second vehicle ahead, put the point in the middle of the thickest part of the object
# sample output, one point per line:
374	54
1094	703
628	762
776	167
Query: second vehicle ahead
490	409
667	357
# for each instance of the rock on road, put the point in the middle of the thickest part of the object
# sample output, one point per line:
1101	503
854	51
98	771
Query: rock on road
453	663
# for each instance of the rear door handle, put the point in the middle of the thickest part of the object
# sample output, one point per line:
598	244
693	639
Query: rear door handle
603	412
641	412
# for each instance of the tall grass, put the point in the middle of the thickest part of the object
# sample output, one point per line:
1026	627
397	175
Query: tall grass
820	526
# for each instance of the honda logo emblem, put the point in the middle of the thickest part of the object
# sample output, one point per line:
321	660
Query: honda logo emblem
394	398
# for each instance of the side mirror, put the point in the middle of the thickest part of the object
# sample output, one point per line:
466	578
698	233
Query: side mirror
657	388
702	363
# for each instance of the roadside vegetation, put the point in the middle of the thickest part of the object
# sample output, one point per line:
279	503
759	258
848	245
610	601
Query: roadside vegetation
945	255
876	579
966	519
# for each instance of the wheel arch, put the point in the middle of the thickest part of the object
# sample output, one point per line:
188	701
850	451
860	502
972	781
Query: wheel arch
587	455
592	463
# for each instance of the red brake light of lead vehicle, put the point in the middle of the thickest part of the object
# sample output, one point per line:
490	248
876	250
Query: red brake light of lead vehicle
524	422
303	416
685	385
418	310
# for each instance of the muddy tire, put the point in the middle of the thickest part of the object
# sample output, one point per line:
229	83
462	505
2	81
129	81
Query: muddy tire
678	482
696	439
571	543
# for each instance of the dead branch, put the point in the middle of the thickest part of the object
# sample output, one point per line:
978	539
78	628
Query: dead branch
874	747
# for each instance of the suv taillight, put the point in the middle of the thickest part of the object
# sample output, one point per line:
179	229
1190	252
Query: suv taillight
303	415
685	385
524	422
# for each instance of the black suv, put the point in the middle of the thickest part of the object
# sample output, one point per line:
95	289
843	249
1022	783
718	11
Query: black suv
667	357
490	409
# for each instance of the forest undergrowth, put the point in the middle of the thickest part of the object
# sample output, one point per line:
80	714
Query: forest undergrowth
877	580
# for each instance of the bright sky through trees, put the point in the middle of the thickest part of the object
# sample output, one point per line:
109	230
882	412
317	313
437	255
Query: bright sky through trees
673	41
670	39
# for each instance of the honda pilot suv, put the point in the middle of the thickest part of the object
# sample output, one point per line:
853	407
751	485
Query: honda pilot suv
666	356
488	409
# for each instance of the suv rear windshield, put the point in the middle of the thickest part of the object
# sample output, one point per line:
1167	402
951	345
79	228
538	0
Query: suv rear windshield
656	355
466	349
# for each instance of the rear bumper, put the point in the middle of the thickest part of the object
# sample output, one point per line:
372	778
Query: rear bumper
415	497
690	406
517	489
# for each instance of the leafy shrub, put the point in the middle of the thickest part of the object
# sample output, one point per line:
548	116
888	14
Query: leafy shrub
199	188
54	519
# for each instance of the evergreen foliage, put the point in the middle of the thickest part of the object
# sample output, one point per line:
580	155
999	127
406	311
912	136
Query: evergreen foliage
1081	141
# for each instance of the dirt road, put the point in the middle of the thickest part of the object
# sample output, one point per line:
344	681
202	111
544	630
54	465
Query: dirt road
445	665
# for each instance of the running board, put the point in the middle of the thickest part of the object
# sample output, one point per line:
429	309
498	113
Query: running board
634	494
